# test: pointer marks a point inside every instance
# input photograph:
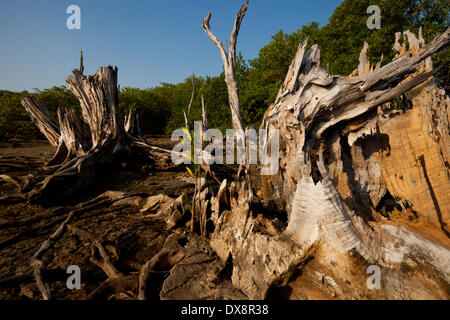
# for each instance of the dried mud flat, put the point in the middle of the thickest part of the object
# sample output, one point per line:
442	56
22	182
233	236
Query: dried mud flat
131	236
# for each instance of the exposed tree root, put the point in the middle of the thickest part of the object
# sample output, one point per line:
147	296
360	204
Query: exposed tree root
104	262
36	262
171	254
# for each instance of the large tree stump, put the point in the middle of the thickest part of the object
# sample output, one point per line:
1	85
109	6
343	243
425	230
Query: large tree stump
332	219
89	147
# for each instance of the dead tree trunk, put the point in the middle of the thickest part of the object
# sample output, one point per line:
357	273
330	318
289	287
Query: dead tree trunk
314	112
88	147
80	167
131	124
187	116
229	64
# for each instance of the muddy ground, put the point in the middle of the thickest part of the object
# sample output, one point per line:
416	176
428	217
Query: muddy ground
136	238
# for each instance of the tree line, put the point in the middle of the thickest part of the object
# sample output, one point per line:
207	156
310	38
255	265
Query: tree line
161	108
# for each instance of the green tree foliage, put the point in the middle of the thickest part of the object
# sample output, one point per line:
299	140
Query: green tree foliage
14	121
161	108
343	37
178	97
215	94
152	109
268	70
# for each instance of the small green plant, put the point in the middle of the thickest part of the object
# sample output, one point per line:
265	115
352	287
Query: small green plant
194	170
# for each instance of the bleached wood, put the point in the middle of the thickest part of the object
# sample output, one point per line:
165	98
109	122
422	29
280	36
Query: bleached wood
132	126
81	62
43	120
364	64
291	79
74	132
187	116
98	98
310	111
229	64
204	116
104	262
86	147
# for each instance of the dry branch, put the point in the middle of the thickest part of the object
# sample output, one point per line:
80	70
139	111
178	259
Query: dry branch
36	261
104	262
310	110
132	126
43	120
204	116
187	116
229	63
81	62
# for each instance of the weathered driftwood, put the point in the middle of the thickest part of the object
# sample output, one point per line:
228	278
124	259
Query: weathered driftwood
36	261
132	126
200	203
98	98
87	147
81	62
204	116
311	111
104	261
316	102
331	181
106	199
68	135
43	120
229	63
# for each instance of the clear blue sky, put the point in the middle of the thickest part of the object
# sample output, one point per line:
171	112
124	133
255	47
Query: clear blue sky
150	41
